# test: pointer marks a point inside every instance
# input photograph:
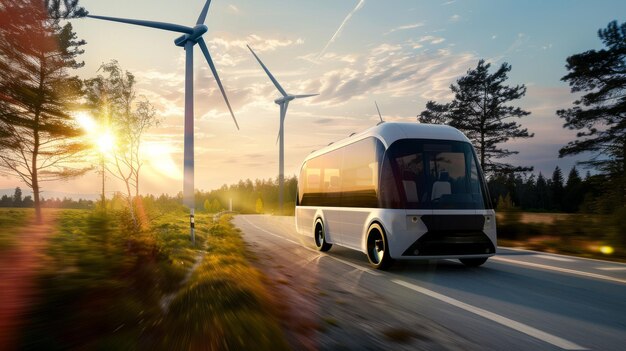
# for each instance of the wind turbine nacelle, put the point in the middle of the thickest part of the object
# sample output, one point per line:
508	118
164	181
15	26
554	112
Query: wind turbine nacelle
282	100
180	41
198	31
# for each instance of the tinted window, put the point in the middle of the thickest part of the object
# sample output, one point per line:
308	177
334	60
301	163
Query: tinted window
431	174
360	171
346	177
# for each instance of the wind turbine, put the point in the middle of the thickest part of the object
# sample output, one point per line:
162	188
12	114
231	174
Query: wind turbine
191	36
379	115
283	102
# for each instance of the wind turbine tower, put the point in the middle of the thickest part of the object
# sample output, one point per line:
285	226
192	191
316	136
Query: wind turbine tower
283	102
190	37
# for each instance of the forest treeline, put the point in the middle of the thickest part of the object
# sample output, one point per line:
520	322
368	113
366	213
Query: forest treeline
557	193
17	200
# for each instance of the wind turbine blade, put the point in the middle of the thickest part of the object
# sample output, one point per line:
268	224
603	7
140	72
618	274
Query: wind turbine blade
204	12
205	51
159	25
282	91
304	96
377	109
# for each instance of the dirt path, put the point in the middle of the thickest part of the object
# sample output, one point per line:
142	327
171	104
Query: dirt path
18	269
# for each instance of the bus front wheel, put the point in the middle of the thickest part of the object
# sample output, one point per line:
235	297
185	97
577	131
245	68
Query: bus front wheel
320	237
378	248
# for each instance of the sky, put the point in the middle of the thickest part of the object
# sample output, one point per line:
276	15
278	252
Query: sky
400	53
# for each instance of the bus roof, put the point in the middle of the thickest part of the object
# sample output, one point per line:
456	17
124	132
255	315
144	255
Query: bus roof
389	132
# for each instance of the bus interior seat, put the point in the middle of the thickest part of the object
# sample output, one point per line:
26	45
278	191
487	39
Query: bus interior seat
410	186
441	187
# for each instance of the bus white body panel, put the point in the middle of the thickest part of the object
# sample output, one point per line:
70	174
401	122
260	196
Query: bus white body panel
426	191
348	227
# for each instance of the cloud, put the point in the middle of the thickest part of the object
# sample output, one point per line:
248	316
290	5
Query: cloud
329	57
259	43
430	39
406	27
455	18
345	21
397	70
233	8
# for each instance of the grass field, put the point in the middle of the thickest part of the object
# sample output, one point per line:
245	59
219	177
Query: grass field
11	220
105	287
591	236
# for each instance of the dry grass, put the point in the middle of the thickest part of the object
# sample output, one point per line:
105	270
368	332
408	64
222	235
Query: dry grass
104	287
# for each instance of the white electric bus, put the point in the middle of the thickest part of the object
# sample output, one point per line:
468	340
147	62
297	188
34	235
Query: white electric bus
398	191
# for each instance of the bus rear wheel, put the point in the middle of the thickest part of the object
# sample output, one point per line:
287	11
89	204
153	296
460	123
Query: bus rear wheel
320	237
377	248
473	262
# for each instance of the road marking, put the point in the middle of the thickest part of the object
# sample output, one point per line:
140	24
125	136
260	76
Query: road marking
554	258
558	269
520	327
612	268
559	255
353	265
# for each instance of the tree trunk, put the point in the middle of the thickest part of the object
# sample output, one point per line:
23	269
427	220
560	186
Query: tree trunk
131	204
137	183
482	151
623	180
34	175
36	142
103	198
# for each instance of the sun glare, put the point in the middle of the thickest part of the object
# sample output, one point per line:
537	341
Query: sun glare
100	135
159	158
86	122
105	142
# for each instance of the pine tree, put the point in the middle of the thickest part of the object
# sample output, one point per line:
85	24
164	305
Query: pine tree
599	115
557	189
36	96
435	113
574	195
480	109
17	197
64	9
543	195
6	201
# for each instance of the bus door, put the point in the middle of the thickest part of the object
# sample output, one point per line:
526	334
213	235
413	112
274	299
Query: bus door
331	184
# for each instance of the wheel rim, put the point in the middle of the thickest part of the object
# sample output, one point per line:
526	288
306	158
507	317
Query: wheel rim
319	237
376	248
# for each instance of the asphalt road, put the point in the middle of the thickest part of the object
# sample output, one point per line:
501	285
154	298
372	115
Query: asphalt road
518	300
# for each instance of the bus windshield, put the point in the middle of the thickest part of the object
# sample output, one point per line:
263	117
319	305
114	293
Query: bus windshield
431	174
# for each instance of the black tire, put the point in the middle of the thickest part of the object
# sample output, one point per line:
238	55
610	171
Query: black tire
473	262
377	248
320	237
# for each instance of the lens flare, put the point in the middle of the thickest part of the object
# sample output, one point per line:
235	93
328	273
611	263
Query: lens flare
86	122
607	250
159	157
105	142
